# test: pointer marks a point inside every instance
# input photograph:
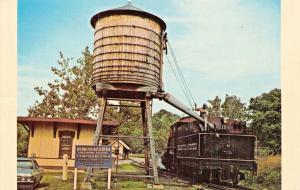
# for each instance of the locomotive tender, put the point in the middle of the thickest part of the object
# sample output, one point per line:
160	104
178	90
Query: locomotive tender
216	155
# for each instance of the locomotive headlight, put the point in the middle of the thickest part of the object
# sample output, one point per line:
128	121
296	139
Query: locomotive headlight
225	120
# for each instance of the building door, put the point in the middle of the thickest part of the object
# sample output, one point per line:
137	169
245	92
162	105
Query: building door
66	143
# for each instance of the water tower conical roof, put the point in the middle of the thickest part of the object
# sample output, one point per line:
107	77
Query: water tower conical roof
130	10
129	6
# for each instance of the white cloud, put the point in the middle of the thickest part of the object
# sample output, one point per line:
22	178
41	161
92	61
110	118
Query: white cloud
226	38
224	46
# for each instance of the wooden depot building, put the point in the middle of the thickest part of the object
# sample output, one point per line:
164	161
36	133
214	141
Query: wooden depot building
51	138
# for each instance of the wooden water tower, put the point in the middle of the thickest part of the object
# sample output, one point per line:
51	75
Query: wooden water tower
128	58
128	52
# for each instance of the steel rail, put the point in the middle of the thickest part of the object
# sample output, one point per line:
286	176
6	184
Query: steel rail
225	187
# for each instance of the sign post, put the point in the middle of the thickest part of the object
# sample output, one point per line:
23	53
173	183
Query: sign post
75	179
108	178
94	157
65	167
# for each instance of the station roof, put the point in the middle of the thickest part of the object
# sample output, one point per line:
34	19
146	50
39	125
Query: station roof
29	120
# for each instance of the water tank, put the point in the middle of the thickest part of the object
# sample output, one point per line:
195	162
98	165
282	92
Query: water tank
128	48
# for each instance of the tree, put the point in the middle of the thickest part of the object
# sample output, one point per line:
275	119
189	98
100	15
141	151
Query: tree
131	124
22	141
215	107
265	119
232	107
161	122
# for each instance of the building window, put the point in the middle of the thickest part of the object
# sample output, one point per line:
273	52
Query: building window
104	142
66	143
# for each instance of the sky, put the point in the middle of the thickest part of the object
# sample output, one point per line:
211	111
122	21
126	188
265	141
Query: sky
222	46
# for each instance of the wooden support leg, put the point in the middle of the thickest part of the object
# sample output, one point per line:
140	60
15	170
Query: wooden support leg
145	133
97	139
152	145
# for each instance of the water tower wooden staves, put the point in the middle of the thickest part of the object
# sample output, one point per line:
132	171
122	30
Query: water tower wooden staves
127	65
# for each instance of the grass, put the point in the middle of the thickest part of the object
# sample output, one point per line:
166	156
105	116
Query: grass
137	155
53	180
269	162
268	175
127	168
126	185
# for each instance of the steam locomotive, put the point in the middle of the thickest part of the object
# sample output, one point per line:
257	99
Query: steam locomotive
215	155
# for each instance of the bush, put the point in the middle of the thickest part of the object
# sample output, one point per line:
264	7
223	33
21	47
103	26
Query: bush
268	175
22	141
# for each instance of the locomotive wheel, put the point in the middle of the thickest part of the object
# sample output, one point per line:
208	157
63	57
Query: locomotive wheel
207	176
236	178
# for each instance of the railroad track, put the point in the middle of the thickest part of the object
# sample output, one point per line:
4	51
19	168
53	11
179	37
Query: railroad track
222	187
243	188
187	181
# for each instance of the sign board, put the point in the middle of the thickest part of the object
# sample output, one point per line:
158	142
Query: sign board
93	156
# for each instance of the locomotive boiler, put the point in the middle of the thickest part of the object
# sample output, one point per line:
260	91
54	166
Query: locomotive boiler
217	155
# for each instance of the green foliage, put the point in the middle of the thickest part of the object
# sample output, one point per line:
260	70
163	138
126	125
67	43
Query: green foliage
127	168
232	107
268	179
215	107
265	117
268	175
161	122
22	141
52	181
131	124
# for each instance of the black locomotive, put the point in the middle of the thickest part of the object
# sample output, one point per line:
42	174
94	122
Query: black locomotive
216	155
